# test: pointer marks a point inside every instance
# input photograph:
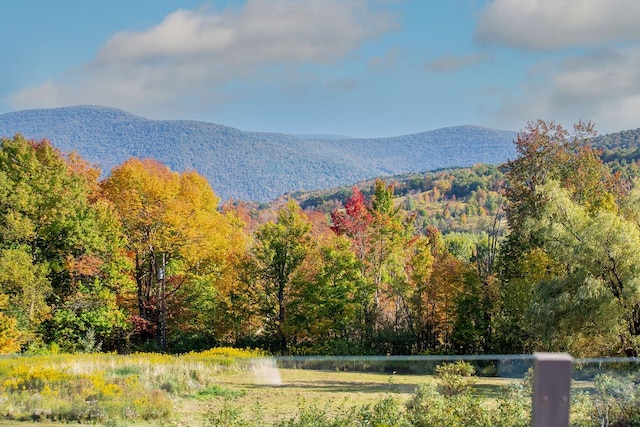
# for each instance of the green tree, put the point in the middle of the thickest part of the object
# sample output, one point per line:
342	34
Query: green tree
592	306
381	236
280	248
513	330
28	288
546	153
57	238
325	313
472	329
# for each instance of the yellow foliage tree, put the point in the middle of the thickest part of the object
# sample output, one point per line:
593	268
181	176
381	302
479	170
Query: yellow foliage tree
182	247
9	334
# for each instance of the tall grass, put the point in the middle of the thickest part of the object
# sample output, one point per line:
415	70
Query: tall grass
107	387
153	388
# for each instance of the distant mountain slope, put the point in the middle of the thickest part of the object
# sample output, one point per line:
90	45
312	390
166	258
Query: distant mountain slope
624	140
254	166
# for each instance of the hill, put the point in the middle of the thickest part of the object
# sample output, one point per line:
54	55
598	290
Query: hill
623	140
255	166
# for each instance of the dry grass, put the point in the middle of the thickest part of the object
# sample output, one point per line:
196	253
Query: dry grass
200	387
260	392
330	390
325	389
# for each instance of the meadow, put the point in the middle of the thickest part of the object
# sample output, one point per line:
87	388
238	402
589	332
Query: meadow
245	388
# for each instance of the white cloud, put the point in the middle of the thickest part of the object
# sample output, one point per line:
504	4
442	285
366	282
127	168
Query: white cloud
195	56
452	63
261	32
602	86
556	24
385	62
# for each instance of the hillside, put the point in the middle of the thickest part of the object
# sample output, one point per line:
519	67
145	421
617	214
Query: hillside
254	166
624	140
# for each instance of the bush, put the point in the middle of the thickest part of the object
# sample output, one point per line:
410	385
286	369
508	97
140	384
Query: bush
455	377
616	401
514	406
428	408
385	413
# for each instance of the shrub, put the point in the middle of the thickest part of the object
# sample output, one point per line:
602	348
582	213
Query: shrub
455	377
385	413
428	408
616	401
514	406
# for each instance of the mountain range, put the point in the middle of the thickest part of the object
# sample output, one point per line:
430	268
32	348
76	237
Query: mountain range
254	166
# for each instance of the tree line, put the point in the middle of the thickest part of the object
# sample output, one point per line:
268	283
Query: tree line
148	259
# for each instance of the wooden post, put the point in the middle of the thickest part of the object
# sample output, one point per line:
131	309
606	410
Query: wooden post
551	389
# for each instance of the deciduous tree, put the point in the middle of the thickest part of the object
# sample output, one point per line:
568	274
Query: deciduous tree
178	241
56	240
325	313
381	235
592	306
279	250
546	153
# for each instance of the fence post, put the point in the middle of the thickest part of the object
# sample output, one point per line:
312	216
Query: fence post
551	389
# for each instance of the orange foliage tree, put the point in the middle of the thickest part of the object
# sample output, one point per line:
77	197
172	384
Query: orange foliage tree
181	245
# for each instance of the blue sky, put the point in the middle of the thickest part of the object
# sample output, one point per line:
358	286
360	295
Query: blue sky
350	67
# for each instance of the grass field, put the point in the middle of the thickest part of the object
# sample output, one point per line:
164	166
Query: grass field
90	389
235	388
329	390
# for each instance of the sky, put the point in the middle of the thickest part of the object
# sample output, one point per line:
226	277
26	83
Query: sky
363	68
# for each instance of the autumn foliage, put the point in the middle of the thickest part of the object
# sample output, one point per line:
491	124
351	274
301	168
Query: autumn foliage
544	256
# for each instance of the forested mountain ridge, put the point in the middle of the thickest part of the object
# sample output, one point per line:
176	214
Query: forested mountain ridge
623	140
255	166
